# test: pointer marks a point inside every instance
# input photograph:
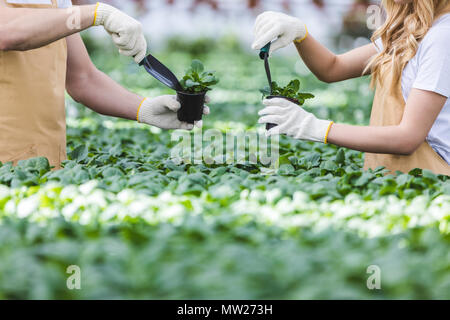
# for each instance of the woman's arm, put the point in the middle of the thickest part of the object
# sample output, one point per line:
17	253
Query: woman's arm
26	29
421	111
282	30
328	67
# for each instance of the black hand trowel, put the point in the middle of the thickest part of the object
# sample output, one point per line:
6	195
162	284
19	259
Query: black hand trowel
191	104
161	72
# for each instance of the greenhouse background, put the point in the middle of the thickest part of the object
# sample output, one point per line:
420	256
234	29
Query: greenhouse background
338	23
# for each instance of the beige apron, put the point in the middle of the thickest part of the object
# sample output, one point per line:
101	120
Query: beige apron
388	110
32	89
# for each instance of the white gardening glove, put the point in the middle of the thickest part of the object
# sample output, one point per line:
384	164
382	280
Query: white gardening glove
293	121
162	111
125	31
275	25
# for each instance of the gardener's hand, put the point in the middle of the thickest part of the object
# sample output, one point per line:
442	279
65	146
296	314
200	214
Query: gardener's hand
125	31
275	25
162	111
294	121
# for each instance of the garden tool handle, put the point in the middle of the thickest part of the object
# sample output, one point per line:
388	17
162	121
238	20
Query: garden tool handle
264	55
265	51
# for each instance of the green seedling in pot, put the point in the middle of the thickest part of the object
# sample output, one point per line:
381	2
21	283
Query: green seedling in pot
191	91
291	92
196	82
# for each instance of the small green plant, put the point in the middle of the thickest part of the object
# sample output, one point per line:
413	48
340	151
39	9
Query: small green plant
197	80
291	91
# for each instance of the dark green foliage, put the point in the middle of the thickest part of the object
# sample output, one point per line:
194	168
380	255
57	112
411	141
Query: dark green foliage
220	259
291	91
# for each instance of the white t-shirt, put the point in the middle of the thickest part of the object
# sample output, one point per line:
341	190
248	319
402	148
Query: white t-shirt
430	70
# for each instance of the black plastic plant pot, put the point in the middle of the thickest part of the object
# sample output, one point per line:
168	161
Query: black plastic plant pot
271	125
191	106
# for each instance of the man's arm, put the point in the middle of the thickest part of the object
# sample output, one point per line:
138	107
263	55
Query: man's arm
26	29
91	87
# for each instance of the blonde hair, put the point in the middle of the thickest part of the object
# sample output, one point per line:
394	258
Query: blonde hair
405	26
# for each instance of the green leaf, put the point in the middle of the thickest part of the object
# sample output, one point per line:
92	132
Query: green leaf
189	83
197	66
330	165
112	172
305	96
364	179
429	175
286	169
340	156
446	188
294	85
80	153
403	179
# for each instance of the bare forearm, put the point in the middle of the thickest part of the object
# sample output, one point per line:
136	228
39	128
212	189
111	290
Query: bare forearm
103	95
26	29
329	67
317	57
388	140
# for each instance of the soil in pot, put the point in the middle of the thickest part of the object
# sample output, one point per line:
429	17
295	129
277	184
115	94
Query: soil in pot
191	106
271	125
